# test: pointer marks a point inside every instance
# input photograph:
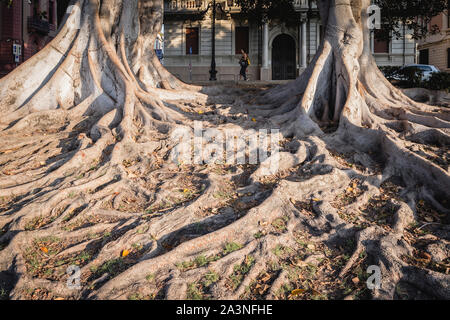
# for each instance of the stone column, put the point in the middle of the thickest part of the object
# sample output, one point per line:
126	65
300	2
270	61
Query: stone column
265	70
303	45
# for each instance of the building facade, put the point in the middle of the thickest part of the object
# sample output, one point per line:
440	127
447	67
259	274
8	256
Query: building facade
276	52
27	26
435	48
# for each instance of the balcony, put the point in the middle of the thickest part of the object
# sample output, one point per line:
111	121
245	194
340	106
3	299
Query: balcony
196	6
38	25
187	6
302	5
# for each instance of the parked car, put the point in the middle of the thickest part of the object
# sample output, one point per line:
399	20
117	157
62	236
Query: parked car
425	70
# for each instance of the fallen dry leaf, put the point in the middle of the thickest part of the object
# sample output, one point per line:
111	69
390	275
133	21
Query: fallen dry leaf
297	292
44	249
125	253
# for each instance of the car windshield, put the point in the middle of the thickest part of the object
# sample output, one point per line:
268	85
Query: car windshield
424	68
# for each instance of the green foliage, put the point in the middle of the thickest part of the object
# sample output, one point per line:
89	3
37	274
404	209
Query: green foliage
415	14
438	81
270	10
412	78
390	71
194	292
231	247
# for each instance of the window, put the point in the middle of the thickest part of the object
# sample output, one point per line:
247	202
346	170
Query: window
448	15
192	40
51	12
36	9
424	56
380	45
241	42
425	69
448	57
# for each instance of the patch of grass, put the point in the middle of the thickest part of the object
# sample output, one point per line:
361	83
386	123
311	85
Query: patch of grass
223	195
231	247
150	277
240	270
312	270
281	250
284	291
72	195
198	262
112	267
258	235
185	265
135	296
280	224
82	257
210	278
40	221
194	292
50	239
33	223
319	296
3	294
201	261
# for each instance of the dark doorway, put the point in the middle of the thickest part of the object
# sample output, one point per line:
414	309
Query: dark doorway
283	58
192	39
242	39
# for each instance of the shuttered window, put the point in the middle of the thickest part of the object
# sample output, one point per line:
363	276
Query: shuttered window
380	45
242	38
192	40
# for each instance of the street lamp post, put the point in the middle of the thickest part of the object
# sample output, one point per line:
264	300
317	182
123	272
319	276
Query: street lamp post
214	5
213	71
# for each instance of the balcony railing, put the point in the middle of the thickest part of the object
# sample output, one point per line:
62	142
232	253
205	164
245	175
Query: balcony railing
191	6
36	24
303	4
184	5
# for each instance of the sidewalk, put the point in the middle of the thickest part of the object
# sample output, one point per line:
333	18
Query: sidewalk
242	83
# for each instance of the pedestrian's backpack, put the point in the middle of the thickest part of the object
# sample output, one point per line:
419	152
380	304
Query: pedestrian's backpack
248	61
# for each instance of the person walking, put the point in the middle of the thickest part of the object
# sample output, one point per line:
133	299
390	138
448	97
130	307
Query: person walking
244	63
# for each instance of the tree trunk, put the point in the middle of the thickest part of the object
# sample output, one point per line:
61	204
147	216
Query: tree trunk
344	86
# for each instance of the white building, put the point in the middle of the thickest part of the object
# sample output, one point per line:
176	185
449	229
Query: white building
276	52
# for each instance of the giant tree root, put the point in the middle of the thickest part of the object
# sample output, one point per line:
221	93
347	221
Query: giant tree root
86	178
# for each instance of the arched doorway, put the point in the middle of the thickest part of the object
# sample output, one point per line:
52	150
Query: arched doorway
283	57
